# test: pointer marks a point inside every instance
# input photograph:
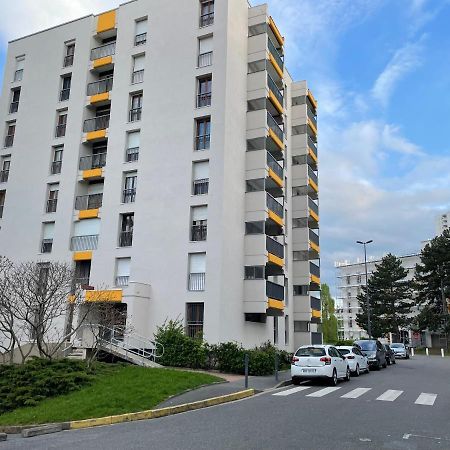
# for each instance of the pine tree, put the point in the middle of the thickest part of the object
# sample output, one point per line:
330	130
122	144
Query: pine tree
389	298
329	320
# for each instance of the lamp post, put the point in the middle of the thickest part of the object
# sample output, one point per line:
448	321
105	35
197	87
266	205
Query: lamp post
369	324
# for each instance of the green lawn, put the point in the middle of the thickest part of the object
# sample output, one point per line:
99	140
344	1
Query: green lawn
121	390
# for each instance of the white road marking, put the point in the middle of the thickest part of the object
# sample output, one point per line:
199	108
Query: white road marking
390	395
291	391
426	399
323	392
356	393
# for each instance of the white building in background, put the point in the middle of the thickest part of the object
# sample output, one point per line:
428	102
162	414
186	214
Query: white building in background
164	149
442	223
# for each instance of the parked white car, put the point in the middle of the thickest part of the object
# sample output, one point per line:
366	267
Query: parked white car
356	360
319	361
400	350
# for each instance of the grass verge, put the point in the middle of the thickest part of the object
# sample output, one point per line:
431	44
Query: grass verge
121	390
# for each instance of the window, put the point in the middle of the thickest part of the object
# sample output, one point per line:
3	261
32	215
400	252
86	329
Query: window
204	86
57	159
48	231
61	124
197	271
5	164
133	142
206	13
350	323
126	230
135	107
301	222
199	228
85	235
129	188
358	279
301	289
18	73
195	313
2	202
203	133
349	294
201	178
254	227
10	132
69	53
66	81
15	96
275	330
82	272
256	185
348	279
52	199
140	32
349	305
138	69
122	271
205	51
254	272
286	330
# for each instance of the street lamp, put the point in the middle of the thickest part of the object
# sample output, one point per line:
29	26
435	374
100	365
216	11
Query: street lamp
369	324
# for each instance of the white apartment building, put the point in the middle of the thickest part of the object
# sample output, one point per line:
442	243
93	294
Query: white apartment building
442	223
164	149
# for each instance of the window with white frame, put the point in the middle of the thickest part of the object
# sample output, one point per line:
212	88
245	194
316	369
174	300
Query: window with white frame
200	177
199	226
197	271
141	32
123	271
20	63
138	69
205	51
133	143
48	231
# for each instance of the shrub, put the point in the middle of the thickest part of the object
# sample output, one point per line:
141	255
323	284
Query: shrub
344	342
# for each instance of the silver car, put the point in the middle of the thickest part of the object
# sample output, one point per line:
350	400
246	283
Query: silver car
400	350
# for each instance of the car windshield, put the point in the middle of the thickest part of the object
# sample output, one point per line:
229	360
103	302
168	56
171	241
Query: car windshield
397	346
367	346
310	351
343	351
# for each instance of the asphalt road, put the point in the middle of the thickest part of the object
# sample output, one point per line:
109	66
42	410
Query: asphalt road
380	410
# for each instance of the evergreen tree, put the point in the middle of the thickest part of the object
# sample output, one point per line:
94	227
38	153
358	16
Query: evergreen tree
432	283
329	320
389	297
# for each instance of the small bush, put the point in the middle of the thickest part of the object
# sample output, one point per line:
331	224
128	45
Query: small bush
344	342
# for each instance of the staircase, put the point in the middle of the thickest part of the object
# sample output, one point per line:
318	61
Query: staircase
77	354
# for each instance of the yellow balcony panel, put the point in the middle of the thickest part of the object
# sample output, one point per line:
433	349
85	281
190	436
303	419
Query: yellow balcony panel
275	304
313	215
315	313
103	97
275	102
276	66
312	99
275	260
314	279
276	31
313	155
82	256
100	62
94	135
88	214
92	173
71	298
275	178
314	247
312	126
114	296
106	21
276	139
276	218
313	185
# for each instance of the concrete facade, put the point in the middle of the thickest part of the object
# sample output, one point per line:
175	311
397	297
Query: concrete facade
177	147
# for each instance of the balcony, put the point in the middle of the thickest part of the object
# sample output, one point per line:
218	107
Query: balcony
273	164
13	107
314	270
126	239
60	130
201	186
129	195
314	238
276	56
122	280
92	201
274	89
312	117
64	95
199	232
90	162
274	247
196	281
132	154
274	291
4	175
137	76
103	51
275	206
312	176
96	123
140	39
316	304
51	205
83	243
206	19
46	245
100	87
275	128
204	99
135	114
205	59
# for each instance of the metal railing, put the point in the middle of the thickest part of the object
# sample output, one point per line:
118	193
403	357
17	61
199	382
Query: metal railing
135	114
60	130
313	237
204	99
201	186
312	117
274	247
206	19
137	76
56	167
81	281
205	59
46	245
100	86
313	176
274	88
129	195
274	165
9	140
122	280
316	303
102	51
203	142
197	281
140	39
313	206
4	175
125	239
91	201
68	61
81	243
96	123
51	205
194	329
274	206
64	95
13	107
274	290
18	75
96	161
314	269
132	154
312	145
199	232
275	53
271	122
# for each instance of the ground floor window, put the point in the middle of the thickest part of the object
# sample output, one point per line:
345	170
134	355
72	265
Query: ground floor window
195	313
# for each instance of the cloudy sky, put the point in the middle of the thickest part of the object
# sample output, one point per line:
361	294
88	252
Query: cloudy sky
380	71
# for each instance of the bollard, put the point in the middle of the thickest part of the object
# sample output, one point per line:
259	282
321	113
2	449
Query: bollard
276	366
412	351
442	352
246	370
426	351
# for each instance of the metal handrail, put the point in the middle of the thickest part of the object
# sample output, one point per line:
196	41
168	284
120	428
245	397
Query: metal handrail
68	60
203	142
135	114
96	123
137	76
312	145
312	117
96	161
91	201
272	123
201	186
104	50
132	154
204	99
274	88
199	232
314	269
82	243
205	59
274	247
274	165
129	195
313	206
275	53
207	19
140	39
100	86
313	176
274	206
197	281
313	237
274	290
126	239
122	280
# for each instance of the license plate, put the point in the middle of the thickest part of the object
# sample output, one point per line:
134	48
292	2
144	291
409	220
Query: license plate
309	370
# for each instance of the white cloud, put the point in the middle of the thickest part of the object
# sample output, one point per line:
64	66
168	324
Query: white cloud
392	140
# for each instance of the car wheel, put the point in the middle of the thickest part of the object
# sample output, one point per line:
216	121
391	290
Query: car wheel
378	365
295	381
347	375
388	361
385	364
367	368
356	372
333	380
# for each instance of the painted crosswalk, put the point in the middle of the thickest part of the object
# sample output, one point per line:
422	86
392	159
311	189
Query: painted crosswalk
426	399
292	391
356	393
390	395
323	392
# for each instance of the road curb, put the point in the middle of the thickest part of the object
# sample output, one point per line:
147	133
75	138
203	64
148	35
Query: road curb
44	429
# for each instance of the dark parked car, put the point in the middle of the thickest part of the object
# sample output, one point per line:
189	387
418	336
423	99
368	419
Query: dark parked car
375	352
390	355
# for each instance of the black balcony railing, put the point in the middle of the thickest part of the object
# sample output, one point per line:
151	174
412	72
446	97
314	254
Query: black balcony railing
274	88
197	281
273	125
103	51
275	291
132	154
140	39
313	237
18	75
4	175
51	205
64	95
129	195
92	201
122	280
82	243
207	19
314	269
9	140
68	61
46	245
205	59
56	167
274	165
13	107
274	206
276	54
60	130
126	239
96	123
96	161
316	303
201	186
274	247
203	142
313	176
199	232
313	206
135	114
100	86
194	329
204	99
137	76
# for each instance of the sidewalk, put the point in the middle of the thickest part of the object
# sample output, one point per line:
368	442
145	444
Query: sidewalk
234	383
